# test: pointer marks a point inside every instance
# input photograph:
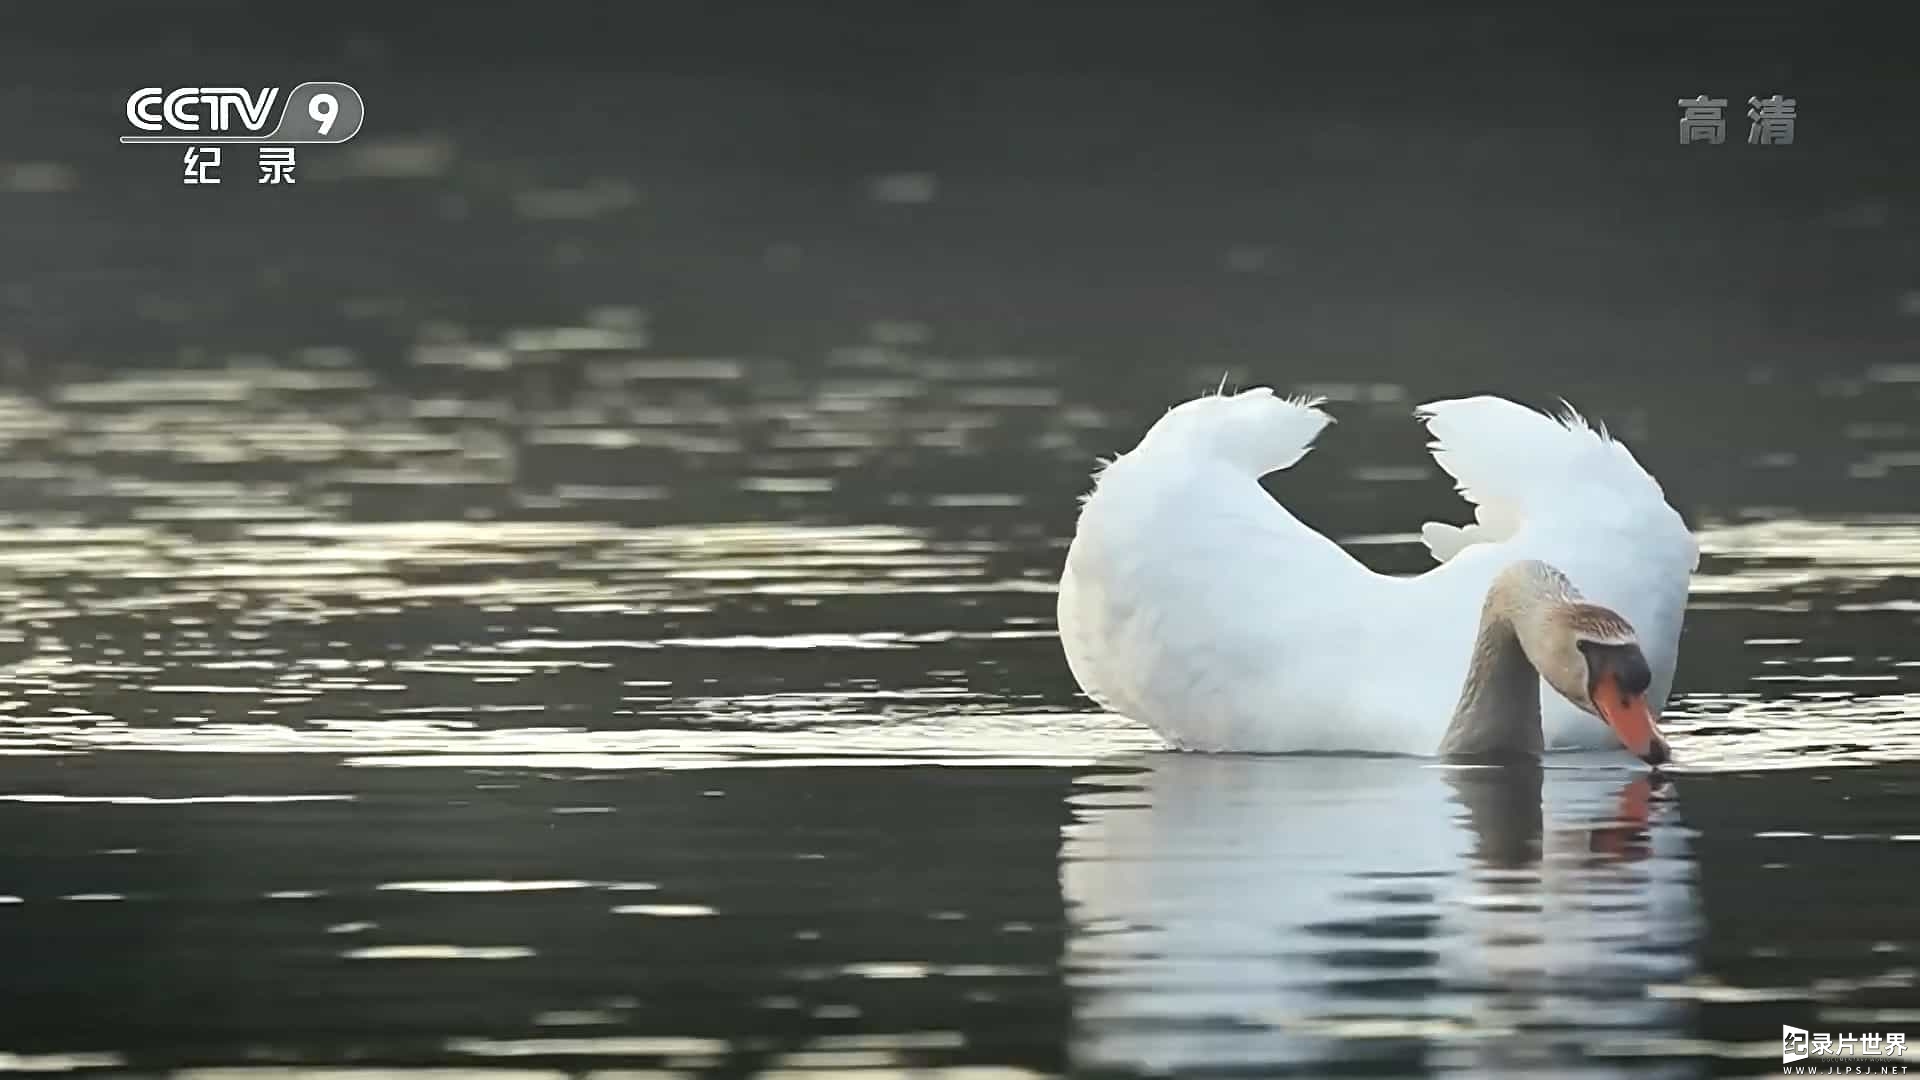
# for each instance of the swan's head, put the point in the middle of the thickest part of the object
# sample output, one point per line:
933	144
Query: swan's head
1535	625
1595	662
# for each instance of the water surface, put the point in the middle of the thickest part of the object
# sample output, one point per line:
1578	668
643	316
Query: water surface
346	727
568	587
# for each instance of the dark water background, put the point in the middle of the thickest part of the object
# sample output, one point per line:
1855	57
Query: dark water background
568	585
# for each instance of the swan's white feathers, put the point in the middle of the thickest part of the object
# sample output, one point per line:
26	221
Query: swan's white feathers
1254	430
1195	602
1494	522
1514	463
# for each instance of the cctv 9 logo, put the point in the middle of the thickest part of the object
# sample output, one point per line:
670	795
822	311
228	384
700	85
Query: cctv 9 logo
314	112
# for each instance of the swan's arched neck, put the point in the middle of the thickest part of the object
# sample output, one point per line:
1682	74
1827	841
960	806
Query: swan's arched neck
1499	711
1498	715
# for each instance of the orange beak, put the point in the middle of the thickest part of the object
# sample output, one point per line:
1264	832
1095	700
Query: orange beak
1628	716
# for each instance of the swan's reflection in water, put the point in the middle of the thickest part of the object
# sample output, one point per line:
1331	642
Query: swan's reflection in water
1283	914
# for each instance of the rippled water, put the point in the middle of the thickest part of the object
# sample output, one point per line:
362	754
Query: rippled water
567	588
570	708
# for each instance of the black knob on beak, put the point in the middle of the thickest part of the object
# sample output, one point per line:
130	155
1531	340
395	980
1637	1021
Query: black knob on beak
1657	753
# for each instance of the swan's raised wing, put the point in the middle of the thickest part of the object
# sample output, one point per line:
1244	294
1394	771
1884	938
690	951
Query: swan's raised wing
1517	465
1191	598
1559	490
1254	431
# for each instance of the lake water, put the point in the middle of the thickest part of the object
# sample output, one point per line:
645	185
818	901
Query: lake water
552	603
356	724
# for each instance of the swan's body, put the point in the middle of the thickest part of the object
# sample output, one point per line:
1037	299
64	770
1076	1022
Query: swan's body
1196	603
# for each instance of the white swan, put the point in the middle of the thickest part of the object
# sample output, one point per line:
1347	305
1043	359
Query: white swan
1194	602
